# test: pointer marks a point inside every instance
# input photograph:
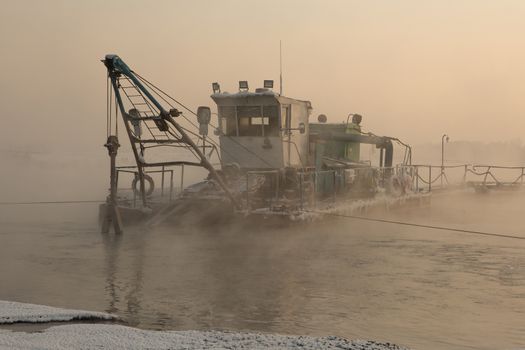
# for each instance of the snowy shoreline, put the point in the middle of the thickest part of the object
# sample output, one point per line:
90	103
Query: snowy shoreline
15	312
104	336
73	335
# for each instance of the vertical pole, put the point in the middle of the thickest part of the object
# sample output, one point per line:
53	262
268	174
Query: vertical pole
315	189
442	174
113	188
417	179
334	185
142	186
262	123
134	194
112	215
162	183
171	185
182	178
280	68
430	178
301	188
442	159
247	190
277	185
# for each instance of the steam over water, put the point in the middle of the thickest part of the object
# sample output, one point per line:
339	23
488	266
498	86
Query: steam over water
422	288
415	70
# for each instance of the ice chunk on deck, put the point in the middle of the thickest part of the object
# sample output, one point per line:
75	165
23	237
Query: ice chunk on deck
14	312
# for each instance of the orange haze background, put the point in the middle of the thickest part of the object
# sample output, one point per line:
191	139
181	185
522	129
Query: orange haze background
414	69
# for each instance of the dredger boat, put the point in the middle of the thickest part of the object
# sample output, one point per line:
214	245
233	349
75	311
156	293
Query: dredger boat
270	160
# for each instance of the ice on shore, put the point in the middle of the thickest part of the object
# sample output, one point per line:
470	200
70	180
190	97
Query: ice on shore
114	336
14	312
110	336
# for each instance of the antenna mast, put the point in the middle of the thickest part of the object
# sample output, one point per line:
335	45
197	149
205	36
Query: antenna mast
280	68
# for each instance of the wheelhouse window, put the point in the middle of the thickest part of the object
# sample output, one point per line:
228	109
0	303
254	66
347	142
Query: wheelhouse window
249	120
228	120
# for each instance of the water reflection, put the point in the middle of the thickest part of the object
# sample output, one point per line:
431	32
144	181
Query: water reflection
345	278
128	289
111	244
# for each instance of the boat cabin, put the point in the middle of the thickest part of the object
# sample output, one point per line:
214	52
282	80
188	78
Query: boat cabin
262	130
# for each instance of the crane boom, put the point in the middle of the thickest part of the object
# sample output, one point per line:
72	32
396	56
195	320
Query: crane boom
170	131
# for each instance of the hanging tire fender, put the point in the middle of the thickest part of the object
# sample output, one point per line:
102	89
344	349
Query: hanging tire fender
149	189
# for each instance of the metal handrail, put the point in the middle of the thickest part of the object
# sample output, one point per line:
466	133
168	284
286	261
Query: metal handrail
488	173
132	169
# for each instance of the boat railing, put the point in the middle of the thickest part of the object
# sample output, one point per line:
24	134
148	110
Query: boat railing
163	175
327	185
272	175
429	178
495	176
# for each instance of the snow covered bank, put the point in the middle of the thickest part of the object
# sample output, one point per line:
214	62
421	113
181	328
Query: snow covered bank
13	312
113	336
106	336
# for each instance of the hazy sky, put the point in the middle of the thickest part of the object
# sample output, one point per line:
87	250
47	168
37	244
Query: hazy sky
414	69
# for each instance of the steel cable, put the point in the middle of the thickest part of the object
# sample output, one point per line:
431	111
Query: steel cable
52	202
386	221
433	227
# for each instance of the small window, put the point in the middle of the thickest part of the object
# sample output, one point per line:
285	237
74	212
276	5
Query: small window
260	121
227	120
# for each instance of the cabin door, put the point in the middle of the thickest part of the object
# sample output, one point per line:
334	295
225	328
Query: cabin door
286	124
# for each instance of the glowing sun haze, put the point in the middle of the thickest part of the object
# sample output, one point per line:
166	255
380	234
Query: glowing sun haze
414	69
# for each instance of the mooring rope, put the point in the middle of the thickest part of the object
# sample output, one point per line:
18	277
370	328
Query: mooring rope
363	218
433	227
51	202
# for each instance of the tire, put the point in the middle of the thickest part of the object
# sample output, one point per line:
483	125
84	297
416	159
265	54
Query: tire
149	189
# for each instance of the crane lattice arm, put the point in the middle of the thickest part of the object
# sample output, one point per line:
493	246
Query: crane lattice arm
148	124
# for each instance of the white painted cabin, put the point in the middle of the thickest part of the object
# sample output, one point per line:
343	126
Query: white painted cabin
263	130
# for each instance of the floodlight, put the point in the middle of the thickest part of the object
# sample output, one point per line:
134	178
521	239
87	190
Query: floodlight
357	118
203	117
216	88
268	84
243	85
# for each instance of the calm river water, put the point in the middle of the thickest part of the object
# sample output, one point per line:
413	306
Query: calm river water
426	289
